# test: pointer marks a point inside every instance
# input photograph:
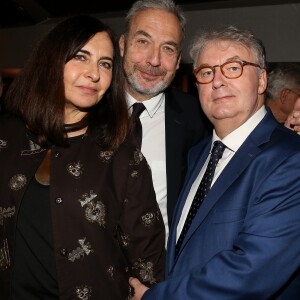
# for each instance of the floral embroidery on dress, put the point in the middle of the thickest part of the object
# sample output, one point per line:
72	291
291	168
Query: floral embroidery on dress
6	213
83	292
94	212
110	271
137	158
158	214
84	249
134	174
17	182
4	256
75	169
130	293
3	144
148	219
106	156
33	149
87	197
145	270
125	240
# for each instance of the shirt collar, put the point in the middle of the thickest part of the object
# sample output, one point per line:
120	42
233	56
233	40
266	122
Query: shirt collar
235	139
151	105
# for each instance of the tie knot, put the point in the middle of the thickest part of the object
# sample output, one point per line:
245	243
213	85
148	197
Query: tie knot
137	109
218	149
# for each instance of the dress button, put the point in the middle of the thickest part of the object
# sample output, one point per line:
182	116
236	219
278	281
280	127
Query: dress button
63	252
58	200
57	154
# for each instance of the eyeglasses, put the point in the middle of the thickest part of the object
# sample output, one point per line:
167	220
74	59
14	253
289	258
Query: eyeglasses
294	92
231	69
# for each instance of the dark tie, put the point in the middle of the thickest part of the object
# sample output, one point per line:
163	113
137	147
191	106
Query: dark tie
137	130
202	190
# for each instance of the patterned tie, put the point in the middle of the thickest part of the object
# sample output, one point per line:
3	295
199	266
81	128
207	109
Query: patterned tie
202	190
137	129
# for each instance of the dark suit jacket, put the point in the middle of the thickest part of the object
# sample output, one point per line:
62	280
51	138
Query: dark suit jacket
185	126
244	242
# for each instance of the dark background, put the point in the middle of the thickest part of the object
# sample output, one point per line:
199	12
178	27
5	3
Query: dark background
18	15
14	13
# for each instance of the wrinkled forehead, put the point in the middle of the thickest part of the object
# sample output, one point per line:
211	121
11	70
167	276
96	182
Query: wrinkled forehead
157	23
220	51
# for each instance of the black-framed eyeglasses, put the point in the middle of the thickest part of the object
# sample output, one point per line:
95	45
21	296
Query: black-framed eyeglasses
231	69
294	92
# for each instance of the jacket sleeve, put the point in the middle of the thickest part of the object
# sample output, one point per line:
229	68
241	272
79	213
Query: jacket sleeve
142	232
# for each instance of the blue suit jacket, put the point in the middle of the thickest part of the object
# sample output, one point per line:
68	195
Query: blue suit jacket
244	242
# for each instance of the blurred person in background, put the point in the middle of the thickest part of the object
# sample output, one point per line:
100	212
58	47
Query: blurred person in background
283	89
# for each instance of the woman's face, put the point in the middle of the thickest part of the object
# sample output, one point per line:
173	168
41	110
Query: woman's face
87	76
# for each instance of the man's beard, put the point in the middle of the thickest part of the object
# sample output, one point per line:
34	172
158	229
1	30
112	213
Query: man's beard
159	87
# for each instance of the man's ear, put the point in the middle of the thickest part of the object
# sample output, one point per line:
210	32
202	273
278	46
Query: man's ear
178	61
283	95
122	44
262	82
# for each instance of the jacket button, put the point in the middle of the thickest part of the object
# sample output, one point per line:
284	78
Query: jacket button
57	154
58	200
63	252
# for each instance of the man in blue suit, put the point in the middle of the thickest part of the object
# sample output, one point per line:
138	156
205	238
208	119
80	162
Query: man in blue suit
244	241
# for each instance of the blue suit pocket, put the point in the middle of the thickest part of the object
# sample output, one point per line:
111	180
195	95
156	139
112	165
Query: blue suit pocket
229	216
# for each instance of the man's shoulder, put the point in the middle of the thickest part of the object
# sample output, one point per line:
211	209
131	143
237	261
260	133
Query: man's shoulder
182	103
188	107
181	97
286	139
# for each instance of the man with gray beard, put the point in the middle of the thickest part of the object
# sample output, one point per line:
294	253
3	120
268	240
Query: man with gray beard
172	120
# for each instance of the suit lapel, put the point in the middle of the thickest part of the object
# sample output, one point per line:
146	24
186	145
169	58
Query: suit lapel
196	161
232	171
175	137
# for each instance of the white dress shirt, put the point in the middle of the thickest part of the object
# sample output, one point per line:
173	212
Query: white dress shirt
232	141
154	147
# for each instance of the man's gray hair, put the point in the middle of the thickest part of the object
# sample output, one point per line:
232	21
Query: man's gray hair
165	5
283	75
232	34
